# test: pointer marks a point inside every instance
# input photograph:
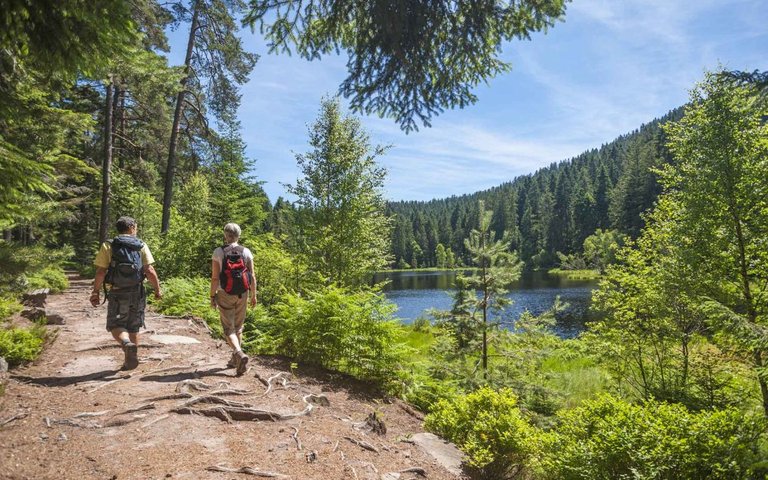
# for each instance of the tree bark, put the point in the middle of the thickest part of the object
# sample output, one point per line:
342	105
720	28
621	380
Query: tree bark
120	125
106	165
171	164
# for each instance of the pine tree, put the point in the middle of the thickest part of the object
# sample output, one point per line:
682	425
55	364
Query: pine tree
497	268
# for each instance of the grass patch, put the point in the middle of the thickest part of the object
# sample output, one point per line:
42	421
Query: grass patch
576	274
575	379
429	269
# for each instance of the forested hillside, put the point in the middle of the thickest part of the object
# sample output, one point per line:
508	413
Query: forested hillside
549	211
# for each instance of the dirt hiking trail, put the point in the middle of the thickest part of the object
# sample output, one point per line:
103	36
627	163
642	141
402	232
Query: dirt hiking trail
73	414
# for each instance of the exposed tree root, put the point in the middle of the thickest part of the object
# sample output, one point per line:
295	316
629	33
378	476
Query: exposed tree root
13	418
154	421
172	396
229	411
247	471
148	406
363	444
91	414
417	470
261	379
410	410
296	437
117	379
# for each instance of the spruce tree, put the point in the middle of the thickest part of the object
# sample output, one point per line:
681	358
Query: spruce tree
340	199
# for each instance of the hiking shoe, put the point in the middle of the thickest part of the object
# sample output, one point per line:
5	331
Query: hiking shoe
233	360
242	363
131	356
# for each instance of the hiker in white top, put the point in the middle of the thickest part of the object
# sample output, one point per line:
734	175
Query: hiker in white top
233	286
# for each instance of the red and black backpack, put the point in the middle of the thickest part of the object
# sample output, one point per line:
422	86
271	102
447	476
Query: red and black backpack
234	277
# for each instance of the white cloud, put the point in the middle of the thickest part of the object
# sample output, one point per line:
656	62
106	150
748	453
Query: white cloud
610	67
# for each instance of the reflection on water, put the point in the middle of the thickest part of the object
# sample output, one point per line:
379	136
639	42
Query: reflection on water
416	292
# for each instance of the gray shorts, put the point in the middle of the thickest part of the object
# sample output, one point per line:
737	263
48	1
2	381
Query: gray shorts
126	310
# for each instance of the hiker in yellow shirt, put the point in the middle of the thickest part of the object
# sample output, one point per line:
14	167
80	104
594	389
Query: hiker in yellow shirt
123	263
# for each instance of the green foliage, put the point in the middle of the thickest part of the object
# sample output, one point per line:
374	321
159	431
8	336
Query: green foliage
414	61
8	306
18	345
347	331
64	37
186	249
27	268
341	205
184	296
608	438
484	292
489	427
718	213
277	272
52	277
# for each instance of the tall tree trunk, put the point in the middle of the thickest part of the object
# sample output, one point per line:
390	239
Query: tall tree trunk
106	165
120	125
171	165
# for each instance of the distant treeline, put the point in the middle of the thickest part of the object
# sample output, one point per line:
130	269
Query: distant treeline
552	210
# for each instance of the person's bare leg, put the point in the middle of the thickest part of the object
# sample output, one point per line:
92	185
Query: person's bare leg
134	337
120	335
233	339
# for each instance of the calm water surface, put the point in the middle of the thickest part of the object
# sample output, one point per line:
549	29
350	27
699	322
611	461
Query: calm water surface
416	292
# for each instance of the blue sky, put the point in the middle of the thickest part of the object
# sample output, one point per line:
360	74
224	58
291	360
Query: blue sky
609	67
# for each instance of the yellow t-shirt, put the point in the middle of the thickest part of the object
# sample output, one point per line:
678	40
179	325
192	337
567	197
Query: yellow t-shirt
105	255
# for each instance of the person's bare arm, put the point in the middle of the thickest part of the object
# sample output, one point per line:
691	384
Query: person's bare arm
98	281
215	270
151	274
254	290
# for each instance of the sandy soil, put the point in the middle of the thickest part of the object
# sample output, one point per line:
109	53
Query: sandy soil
77	415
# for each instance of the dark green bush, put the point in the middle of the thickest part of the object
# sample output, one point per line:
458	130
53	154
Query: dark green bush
28	267
490	429
18	345
608	438
52	277
343	330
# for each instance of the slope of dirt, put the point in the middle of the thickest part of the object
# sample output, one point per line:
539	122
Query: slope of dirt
77	416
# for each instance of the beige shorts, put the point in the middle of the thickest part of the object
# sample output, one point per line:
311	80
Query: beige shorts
232	311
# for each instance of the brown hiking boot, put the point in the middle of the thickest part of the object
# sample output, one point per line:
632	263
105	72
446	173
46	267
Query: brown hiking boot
233	360
131	356
242	362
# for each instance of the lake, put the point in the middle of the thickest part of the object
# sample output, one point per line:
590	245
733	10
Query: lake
416	292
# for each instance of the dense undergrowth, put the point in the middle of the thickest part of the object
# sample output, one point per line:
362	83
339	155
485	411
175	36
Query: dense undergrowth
26	268
547	408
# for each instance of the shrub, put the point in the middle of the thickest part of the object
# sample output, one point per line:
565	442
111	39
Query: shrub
18	345
185	296
32	267
608	438
8	306
347	331
52	277
489	427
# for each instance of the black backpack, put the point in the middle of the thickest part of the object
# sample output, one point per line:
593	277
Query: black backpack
126	269
235	278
